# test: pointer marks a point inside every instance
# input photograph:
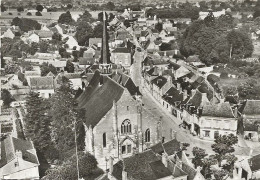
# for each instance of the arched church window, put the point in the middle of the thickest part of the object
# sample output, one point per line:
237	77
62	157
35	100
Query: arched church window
147	135
126	126
104	140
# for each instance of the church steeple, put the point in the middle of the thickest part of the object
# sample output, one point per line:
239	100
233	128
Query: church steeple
105	47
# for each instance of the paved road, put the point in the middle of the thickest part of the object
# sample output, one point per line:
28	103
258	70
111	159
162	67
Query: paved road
183	135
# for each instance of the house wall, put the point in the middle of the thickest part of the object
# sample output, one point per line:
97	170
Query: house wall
254	135
45	93
223	126
24	170
121	58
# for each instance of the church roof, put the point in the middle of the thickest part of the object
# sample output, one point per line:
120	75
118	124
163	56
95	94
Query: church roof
98	100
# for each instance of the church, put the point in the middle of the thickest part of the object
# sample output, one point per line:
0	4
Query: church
116	124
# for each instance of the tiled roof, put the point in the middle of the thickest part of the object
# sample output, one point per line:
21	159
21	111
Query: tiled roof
117	170
189	170
173	95
159	81
9	147
218	110
196	99
171	147
86	61
251	107
100	101
121	50
44	34
45	82
94	41
178	172
138	166
254	163
157	148
159	170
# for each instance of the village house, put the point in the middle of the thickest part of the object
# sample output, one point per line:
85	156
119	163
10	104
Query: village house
74	78
248	168
18	159
121	55
8	34
42	85
250	113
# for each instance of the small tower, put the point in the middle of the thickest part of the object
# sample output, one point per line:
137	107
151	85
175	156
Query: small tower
104	64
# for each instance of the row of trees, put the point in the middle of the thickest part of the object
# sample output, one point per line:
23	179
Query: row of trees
50	123
223	147
215	41
26	24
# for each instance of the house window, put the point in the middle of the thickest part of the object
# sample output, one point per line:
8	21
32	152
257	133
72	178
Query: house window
126	126
207	133
174	112
16	164
129	148
216	134
123	149
167	105
104	140
147	135
127	107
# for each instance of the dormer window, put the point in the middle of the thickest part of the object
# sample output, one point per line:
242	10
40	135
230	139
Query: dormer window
16	164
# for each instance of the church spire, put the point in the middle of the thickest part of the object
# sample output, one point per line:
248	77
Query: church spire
105	47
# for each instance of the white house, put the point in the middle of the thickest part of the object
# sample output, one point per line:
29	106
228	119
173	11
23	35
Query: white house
72	42
18	159
9	34
33	38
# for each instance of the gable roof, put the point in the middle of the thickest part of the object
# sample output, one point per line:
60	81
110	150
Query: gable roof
138	166
11	145
102	97
173	95
254	163
159	81
251	107
172	146
94	41
218	110
45	82
159	170
121	50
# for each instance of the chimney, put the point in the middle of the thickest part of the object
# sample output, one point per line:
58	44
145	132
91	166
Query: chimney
124	175
156	70
174	74
185	94
19	154
200	109
111	159
235	112
164	160
179	87
165	54
204	97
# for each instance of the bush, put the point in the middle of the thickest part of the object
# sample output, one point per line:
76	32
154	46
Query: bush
29	14
38	14
10	13
224	75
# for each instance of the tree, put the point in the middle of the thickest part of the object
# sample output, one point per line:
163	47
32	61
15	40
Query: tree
69	6
198	154
98	31
6	97
39	8
26	24
224	145
69	67
37	124
25	48
56	36
159	27
110	6
65	18
100	16
38	13
219	174
29	14
43	45
207	163
15	53
20	9
64	111
34	48
111	17
3	8
67	171
127	23
46	68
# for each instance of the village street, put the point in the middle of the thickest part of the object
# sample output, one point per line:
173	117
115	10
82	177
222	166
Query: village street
183	135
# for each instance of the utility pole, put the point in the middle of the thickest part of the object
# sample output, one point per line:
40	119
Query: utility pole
77	159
